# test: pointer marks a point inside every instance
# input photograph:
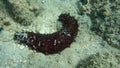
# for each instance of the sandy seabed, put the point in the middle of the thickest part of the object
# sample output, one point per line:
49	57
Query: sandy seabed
97	44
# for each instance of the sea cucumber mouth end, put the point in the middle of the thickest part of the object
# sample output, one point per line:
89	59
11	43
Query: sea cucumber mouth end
20	36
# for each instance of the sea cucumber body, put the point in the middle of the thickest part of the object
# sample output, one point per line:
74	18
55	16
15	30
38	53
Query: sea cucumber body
55	42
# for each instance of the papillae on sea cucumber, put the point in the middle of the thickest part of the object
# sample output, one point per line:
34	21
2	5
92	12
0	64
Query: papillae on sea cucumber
51	43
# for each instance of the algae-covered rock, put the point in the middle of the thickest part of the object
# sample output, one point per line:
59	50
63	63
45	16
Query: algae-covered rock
21	11
105	17
101	60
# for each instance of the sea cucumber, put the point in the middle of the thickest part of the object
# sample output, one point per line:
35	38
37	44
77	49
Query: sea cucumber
51	43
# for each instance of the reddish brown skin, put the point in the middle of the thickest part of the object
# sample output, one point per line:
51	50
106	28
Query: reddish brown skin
55	42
